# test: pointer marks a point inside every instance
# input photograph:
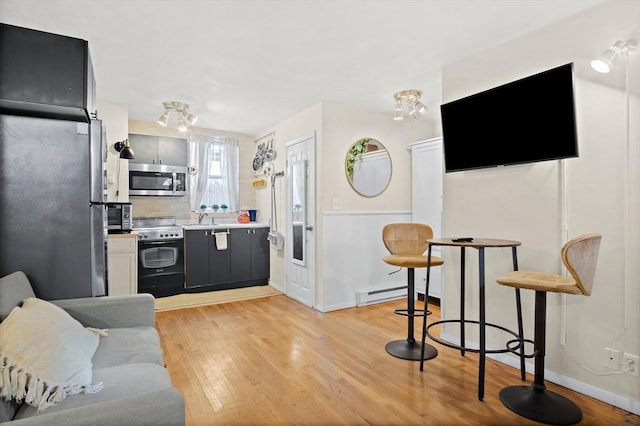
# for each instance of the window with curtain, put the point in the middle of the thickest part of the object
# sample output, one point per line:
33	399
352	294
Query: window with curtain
215	179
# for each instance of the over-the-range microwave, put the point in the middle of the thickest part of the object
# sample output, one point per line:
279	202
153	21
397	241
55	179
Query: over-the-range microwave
155	179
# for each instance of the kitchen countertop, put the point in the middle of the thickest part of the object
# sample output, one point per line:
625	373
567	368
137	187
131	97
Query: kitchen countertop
124	235
190	226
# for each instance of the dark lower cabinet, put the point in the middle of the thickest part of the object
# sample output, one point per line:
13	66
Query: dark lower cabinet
196	258
240	244
245	261
260	254
219	260
249	254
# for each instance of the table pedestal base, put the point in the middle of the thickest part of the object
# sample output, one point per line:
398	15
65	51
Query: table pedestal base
540	405
411	351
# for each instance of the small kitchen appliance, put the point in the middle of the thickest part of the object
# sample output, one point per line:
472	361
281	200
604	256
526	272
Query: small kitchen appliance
119	218
157	179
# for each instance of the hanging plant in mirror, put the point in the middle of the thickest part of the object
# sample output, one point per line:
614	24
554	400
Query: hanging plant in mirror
355	153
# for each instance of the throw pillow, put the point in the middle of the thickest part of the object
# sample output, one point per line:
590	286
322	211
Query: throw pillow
45	354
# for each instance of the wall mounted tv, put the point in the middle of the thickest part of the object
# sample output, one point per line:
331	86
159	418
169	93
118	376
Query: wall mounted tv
528	120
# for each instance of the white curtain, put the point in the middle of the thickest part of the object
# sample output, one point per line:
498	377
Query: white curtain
214	173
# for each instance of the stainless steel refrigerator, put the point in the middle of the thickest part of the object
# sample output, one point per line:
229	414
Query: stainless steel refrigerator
52	213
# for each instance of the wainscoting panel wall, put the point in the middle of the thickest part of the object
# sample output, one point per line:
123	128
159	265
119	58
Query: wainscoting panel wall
352	256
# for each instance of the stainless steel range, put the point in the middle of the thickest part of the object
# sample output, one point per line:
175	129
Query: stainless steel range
157	228
160	256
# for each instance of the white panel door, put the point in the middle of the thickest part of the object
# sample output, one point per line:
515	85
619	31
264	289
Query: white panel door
300	253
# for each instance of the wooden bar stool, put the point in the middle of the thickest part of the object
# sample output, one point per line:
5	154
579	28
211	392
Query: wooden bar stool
534	402
407	243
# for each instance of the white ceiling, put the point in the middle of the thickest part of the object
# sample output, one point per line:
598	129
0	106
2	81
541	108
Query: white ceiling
246	65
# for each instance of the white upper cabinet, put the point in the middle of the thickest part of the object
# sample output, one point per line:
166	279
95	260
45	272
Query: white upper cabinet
426	202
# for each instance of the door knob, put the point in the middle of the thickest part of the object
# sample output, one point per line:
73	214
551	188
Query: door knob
308	228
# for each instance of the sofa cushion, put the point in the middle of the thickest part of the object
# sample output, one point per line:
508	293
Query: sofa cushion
14	288
119	383
128	345
8	409
45	355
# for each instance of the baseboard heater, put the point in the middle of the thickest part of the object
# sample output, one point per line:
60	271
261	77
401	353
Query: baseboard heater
378	295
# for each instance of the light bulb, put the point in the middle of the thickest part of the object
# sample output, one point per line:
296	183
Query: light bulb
182	125
191	118
397	115
420	108
411	108
164	118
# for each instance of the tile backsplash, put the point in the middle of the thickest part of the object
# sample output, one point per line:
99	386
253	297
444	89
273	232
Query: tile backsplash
177	207
161	206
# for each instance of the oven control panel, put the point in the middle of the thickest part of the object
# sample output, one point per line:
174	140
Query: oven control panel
160	234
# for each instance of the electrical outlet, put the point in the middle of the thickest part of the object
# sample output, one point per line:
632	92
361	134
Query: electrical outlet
631	363
612	360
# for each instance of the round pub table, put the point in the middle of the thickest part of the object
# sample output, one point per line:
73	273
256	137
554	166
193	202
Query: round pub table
479	244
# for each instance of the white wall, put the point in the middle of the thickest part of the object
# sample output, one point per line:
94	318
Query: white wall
302	124
343	125
336	127
351	249
524	203
352	256
114	117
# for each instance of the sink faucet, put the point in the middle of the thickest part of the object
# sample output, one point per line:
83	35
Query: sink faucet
200	217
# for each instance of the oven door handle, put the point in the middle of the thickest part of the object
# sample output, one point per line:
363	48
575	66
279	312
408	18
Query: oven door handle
156	243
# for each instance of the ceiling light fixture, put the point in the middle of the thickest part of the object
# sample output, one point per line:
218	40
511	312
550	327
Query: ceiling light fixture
407	101
185	118
605	62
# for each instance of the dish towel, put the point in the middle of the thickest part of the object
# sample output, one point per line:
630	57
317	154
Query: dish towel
221	240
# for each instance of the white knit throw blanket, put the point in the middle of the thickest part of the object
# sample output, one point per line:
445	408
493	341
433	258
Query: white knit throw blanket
45	355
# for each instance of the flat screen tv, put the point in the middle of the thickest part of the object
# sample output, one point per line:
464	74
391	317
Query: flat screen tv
528	120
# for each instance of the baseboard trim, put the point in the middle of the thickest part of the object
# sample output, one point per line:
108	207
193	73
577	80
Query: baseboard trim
608	397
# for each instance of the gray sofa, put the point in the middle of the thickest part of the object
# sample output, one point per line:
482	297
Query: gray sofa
129	361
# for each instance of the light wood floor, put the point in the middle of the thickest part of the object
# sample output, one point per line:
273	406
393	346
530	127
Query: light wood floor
273	361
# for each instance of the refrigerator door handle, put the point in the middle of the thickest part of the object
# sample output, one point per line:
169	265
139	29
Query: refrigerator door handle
98	156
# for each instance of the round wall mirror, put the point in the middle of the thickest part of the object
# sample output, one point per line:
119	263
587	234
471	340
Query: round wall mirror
368	167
